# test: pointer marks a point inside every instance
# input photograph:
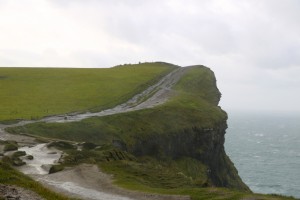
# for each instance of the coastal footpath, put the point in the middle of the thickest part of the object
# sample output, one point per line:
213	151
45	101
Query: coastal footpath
167	139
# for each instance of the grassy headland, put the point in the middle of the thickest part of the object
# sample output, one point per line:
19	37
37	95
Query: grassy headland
30	93
174	148
193	106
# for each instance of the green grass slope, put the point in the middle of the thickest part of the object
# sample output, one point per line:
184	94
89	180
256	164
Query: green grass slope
30	93
174	148
162	178
193	106
172	130
10	176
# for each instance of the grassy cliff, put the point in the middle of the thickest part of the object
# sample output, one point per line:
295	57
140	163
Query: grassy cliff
174	148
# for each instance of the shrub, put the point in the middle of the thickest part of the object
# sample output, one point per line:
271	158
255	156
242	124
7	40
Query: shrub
61	145
29	157
56	168
18	154
11	146
89	145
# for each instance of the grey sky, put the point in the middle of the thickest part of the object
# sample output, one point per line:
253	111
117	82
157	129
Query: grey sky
252	45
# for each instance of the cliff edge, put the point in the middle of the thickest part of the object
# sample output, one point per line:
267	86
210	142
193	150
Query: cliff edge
191	125
179	143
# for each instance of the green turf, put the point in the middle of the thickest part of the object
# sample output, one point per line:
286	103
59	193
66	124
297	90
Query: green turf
153	177
194	106
31	93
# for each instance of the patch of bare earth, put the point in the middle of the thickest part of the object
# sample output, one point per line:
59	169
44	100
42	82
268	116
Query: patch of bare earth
86	181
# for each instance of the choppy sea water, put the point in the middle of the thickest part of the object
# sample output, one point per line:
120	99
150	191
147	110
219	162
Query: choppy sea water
265	148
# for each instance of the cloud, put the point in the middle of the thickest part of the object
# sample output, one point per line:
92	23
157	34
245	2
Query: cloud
253	46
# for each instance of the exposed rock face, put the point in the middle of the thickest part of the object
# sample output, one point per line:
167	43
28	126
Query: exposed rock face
203	144
206	146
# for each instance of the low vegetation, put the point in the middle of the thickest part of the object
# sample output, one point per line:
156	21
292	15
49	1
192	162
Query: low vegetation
10	176
9	145
184	176
121	144
162	178
194	106
55	168
31	93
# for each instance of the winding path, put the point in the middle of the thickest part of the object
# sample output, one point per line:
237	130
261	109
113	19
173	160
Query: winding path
154	95
86	181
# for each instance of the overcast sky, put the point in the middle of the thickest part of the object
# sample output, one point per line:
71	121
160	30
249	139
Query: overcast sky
252	45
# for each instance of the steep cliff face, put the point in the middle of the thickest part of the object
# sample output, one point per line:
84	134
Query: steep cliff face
189	128
198	133
203	144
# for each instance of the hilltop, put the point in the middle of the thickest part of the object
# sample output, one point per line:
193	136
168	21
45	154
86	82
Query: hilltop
33	93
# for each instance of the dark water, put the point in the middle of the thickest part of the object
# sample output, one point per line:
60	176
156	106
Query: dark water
265	149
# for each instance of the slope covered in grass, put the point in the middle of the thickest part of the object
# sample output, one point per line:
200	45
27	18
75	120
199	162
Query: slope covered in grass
29	93
193	106
162	178
10	176
173	148
182	127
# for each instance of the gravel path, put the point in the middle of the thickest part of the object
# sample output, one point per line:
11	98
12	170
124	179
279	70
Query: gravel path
86	181
155	95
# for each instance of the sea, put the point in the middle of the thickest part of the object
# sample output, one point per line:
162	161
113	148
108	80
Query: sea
265	149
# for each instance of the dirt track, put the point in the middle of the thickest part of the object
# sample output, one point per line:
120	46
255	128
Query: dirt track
86	181
154	95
